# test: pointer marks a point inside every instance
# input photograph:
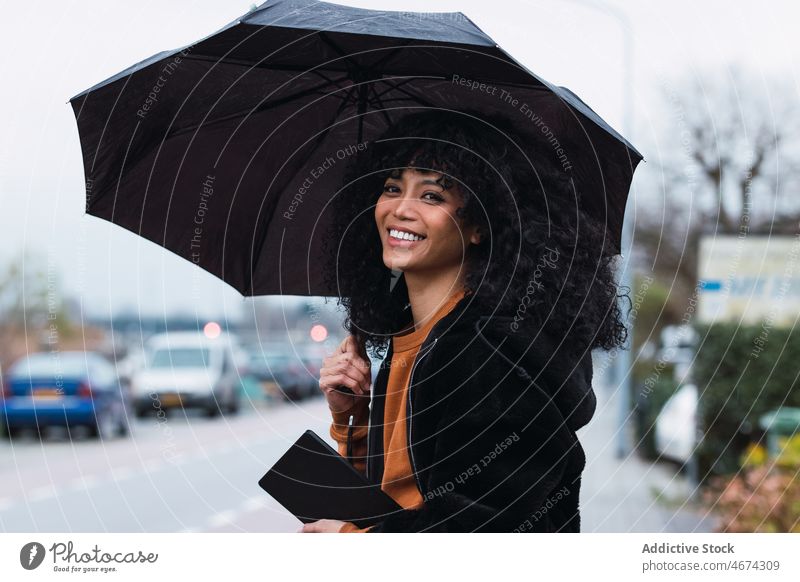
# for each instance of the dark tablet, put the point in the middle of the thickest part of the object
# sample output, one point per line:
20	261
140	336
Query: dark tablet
313	481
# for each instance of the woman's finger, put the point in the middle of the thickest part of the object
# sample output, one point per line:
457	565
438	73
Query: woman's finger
344	380
353	371
346	365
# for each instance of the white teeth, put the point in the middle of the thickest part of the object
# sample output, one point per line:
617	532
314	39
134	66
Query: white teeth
404	235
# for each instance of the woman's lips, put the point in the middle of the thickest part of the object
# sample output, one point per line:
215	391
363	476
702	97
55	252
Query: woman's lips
402	243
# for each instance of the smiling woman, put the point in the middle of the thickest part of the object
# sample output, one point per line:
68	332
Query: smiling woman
497	193
416	218
485	346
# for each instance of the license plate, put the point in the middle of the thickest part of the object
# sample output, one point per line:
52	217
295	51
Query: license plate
270	388
47	394
169	399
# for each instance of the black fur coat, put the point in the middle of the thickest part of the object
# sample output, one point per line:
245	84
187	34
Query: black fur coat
492	415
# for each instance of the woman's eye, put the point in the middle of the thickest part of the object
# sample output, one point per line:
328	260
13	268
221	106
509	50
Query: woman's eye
430	196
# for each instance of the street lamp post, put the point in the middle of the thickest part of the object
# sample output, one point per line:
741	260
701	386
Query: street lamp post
622	359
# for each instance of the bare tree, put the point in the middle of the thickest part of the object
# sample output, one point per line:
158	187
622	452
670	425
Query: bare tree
23	306
727	163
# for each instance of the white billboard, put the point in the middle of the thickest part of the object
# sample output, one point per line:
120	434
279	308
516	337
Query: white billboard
749	279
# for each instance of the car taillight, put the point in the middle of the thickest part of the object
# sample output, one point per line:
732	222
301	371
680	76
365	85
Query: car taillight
84	390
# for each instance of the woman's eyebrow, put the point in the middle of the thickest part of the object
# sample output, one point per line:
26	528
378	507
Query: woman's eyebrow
426	182
432	182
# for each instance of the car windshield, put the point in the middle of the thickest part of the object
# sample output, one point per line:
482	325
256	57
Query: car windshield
51	365
180	358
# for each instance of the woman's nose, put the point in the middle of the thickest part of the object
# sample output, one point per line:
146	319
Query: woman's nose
404	207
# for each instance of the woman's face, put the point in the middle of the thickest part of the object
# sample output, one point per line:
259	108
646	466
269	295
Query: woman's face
415	202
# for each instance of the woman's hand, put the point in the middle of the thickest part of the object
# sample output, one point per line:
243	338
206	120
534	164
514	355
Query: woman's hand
322	526
345	367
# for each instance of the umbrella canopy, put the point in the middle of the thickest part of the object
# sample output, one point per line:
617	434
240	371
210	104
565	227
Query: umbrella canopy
228	151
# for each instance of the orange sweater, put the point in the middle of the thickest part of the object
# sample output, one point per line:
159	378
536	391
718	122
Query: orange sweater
398	479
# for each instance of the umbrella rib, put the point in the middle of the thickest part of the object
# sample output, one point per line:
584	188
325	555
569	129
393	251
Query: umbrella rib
382	109
252	65
361	74
262	107
313	90
318	90
421	100
408	80
378	103
403	44
270	211
324	37
381	102
329	80
376	65
356	75
318	140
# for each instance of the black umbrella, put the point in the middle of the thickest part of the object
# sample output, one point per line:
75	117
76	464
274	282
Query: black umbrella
227	151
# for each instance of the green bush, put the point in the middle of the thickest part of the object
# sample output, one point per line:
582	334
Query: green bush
741	372
649	315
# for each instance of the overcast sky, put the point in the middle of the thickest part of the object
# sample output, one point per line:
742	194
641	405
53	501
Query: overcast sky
52	51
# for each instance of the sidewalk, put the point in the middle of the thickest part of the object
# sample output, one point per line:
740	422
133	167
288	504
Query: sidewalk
622	495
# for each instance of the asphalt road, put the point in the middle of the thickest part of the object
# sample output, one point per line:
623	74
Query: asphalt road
190	473
179	473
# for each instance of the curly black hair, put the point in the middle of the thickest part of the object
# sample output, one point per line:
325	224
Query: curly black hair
541	259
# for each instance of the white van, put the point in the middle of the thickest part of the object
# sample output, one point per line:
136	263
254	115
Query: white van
188	370
676	435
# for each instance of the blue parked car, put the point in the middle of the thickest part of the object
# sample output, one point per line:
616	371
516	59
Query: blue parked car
69	388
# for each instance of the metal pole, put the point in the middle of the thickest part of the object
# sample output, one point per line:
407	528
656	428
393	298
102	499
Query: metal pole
622	372
622	361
